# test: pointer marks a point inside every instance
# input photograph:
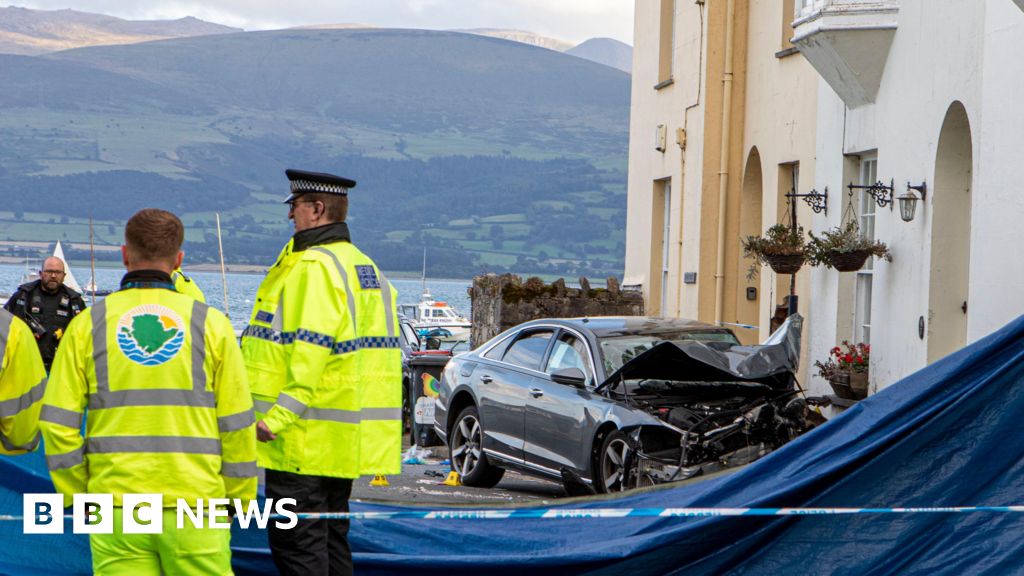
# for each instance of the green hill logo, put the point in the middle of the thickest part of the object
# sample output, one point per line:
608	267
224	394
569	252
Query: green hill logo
150	334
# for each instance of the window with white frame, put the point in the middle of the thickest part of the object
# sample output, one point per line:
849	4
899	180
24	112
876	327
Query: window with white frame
865	276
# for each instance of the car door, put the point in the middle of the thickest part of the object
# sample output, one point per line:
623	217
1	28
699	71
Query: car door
558	425
501	388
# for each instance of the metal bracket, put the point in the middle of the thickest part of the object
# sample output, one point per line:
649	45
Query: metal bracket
818	201
879	191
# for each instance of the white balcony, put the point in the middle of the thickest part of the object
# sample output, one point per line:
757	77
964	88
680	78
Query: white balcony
847	42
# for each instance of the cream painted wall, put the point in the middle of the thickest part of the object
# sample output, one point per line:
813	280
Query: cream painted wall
666	106
781	112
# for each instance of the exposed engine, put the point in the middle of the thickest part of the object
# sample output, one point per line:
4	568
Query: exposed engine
711	426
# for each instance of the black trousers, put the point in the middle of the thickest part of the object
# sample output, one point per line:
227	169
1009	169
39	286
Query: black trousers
312	547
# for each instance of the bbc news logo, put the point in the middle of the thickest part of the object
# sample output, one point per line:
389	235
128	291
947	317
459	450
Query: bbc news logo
144	513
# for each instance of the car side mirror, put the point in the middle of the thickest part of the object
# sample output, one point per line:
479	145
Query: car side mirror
570	376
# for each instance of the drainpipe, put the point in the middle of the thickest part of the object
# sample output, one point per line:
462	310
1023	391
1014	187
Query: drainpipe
723	168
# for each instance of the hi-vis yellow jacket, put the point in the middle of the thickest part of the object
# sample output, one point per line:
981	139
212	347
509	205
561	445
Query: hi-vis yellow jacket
22	381
187	286
169	407
325	366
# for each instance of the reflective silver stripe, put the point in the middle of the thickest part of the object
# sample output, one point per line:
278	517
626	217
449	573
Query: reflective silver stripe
165	444
5	329
99	345
197	328
332	415
352	416
12	447
61	416
385	295
382	413
277	324
286	401
344	279
67	460
262	406
13	406
238	469
235	421
162	397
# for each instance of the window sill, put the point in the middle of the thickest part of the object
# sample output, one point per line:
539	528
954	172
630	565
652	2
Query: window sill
664	84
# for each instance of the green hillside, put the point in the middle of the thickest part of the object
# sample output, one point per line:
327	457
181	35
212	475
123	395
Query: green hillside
497	155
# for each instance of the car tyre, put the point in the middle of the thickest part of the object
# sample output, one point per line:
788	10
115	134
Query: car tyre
614	470
465	449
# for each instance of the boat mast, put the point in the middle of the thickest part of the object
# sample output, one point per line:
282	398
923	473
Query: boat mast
424	277
223	273
92	264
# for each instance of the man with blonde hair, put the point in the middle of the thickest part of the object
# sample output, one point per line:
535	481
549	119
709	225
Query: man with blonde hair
169	409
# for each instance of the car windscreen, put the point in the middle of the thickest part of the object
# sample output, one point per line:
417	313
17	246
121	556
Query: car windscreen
617	350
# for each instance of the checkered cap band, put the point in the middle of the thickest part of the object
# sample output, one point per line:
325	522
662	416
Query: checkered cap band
306	186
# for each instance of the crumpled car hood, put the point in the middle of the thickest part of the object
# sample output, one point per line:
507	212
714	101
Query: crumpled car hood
771	363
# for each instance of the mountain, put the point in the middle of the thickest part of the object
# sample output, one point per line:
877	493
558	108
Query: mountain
521	36
606	51
26	31
498	155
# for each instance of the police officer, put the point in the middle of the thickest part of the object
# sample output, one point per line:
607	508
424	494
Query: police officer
169	409
47	306
22	381
323	355
187	285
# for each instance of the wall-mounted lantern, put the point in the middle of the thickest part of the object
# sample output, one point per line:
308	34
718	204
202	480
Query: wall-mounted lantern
908	201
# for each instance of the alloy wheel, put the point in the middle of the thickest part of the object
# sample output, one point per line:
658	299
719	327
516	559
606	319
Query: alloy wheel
466	452
614	469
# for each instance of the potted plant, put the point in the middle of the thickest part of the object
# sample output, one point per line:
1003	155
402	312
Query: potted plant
781	247
846	370
844	248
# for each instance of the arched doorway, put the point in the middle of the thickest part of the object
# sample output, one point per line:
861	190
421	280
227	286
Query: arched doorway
950	236
748	309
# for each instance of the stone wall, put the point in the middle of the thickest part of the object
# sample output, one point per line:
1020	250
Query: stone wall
501	302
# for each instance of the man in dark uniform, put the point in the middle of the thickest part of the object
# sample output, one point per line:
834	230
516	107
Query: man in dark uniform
47	306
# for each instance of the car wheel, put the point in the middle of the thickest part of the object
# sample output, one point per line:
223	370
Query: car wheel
615	464
465	448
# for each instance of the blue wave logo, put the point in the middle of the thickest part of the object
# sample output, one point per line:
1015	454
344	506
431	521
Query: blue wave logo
150	334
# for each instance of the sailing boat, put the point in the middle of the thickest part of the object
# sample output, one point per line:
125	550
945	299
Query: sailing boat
69	277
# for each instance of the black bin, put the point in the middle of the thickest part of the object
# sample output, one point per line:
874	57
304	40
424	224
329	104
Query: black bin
425	368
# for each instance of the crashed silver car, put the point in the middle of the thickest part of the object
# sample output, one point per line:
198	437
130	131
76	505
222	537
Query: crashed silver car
609	404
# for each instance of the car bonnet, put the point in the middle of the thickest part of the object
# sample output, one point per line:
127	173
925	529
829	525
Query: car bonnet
772	363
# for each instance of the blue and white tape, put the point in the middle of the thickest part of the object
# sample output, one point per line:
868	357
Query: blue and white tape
586	513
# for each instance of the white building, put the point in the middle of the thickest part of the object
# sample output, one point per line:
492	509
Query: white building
919	91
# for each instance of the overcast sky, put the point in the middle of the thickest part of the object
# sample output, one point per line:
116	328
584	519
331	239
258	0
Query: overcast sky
572	20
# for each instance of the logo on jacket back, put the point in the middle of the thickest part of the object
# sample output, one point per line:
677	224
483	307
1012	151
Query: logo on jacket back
150	334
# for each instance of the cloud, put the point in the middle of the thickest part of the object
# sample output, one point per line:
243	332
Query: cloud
573	20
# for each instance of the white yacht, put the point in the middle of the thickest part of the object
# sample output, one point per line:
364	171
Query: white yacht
430	313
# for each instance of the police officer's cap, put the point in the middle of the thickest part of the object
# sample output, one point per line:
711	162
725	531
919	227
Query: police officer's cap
303	182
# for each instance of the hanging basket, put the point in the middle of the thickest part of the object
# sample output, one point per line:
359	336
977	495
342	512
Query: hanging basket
848	261
785	263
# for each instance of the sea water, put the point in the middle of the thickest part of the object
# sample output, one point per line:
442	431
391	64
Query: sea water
241	288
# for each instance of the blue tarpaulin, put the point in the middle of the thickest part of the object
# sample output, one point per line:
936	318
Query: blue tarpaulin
948	435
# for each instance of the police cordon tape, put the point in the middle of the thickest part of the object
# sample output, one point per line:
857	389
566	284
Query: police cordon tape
583	513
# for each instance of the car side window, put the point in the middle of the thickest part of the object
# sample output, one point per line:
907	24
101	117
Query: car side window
528	350
570	352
